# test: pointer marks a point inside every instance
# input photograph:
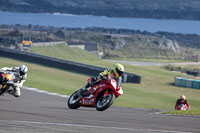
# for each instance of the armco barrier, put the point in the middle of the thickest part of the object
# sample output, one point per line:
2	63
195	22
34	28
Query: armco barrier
63	64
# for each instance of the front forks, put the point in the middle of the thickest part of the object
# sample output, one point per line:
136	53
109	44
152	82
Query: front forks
3	89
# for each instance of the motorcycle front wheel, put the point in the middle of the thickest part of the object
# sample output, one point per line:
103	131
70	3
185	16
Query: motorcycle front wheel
73	101
105	102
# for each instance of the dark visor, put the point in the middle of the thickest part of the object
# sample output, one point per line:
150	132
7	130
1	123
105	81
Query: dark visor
119	72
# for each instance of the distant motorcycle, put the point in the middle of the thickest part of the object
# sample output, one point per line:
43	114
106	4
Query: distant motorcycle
6	80
100	96
182	107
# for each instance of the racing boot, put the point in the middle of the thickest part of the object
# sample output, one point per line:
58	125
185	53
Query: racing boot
11	92
14	92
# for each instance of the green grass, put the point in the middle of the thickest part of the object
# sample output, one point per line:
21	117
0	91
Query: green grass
182	68
152	60
65	52
184	112
156	90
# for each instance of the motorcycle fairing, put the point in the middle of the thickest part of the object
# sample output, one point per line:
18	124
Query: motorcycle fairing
90	101
182	107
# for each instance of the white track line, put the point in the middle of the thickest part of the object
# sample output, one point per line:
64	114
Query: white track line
45	92
89	126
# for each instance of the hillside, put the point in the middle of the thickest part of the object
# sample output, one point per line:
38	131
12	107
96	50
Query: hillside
114	43
64	52
159	9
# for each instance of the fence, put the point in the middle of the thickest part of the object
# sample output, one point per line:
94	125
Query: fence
63	64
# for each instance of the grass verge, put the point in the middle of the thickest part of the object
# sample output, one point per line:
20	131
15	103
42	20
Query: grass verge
183	112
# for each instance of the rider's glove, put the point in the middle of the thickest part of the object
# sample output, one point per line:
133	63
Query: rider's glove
95	78
91	80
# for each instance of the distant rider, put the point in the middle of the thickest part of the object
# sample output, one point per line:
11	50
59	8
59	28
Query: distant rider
182	100
20	77
107	74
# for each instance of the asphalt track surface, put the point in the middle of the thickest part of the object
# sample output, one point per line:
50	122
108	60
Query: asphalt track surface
36	112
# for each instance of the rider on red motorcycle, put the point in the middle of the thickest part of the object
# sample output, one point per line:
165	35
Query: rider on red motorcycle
107	74
180	101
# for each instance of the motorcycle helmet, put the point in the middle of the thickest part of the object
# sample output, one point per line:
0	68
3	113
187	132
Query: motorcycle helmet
182	97
118	69
23	69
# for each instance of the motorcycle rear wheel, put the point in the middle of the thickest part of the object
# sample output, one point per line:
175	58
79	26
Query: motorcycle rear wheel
105	102
73	101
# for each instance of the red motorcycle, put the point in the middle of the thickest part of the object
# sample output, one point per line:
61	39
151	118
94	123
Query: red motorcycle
100	96
182	107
